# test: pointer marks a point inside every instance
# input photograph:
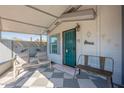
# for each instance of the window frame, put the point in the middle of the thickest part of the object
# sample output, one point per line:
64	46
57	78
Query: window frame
56	43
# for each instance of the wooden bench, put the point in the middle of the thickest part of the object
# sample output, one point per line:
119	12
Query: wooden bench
100	71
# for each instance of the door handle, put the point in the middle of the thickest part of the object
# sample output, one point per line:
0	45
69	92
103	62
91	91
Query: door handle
66	50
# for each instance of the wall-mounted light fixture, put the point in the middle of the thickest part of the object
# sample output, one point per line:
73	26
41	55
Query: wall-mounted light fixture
77	27
48	32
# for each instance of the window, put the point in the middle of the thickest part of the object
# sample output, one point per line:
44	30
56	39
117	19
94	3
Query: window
44	38
55	44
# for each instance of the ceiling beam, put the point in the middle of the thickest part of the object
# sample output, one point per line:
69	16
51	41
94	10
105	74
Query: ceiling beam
58	17
13	20
61	15
39	10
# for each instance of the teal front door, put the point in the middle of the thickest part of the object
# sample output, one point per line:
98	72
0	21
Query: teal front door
69	47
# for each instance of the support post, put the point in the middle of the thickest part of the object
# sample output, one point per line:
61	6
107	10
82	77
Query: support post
0	27
122	44
0	35
40	40
12	48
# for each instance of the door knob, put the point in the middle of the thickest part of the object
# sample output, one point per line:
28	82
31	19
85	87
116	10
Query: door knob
66	50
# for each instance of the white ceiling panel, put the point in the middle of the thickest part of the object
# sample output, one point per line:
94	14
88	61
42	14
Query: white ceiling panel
24	19
21	28
25	14
56	10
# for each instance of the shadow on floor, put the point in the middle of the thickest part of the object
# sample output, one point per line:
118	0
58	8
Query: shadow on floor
61	79
20	81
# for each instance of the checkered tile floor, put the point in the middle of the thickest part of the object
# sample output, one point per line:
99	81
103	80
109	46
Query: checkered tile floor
45	77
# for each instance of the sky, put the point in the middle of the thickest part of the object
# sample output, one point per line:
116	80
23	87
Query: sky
25	37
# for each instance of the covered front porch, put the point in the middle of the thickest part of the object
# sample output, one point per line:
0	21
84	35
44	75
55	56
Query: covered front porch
70	31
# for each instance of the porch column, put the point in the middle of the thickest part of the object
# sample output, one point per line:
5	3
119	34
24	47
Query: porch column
40	40
0	34
122	44
0	27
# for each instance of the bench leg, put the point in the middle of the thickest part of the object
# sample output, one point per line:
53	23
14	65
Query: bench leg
50	64
79	71
109	80
15	73
112	82
75	72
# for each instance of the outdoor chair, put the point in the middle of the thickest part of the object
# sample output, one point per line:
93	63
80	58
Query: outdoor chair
43	59
20	65
19	61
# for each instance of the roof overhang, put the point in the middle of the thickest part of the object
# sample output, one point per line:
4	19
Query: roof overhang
38	19
27	19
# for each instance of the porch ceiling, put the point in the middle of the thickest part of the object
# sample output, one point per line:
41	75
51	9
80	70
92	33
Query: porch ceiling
33	19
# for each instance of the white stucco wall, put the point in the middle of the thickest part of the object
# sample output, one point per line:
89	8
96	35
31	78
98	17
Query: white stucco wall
5	66
110	43
5	55
5	50
105	33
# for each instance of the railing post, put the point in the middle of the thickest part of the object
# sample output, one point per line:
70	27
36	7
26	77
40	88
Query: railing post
40	40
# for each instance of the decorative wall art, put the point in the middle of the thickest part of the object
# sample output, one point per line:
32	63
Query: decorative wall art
88	43
88	34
